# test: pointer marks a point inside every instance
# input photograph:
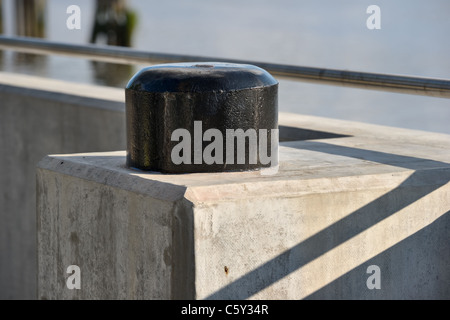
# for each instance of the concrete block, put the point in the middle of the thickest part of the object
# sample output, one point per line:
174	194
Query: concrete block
39	117
368	196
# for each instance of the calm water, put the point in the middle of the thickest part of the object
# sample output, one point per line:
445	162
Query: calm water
414	40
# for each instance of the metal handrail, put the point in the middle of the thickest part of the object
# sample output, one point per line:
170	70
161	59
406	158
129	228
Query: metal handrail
384	82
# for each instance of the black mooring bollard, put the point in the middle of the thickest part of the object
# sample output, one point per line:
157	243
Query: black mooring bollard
202	117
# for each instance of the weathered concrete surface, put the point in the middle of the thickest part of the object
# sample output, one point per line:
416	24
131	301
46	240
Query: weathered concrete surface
41	116
378	196
38	117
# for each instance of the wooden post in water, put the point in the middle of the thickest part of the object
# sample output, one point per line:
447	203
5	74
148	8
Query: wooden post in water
30	20
114	21
1	18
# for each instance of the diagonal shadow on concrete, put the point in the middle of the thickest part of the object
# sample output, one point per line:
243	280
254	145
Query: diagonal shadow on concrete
396	160
287	133
431	260
353	224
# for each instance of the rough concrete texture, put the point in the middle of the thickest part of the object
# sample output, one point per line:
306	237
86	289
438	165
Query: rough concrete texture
38	117
372	196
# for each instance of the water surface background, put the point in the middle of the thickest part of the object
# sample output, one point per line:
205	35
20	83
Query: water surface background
414	40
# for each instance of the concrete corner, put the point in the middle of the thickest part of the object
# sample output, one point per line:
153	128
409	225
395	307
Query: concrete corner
337	207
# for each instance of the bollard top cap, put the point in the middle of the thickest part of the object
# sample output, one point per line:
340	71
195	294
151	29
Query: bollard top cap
200	77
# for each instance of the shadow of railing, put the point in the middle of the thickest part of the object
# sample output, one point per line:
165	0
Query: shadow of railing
287	133
348	227
425	243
